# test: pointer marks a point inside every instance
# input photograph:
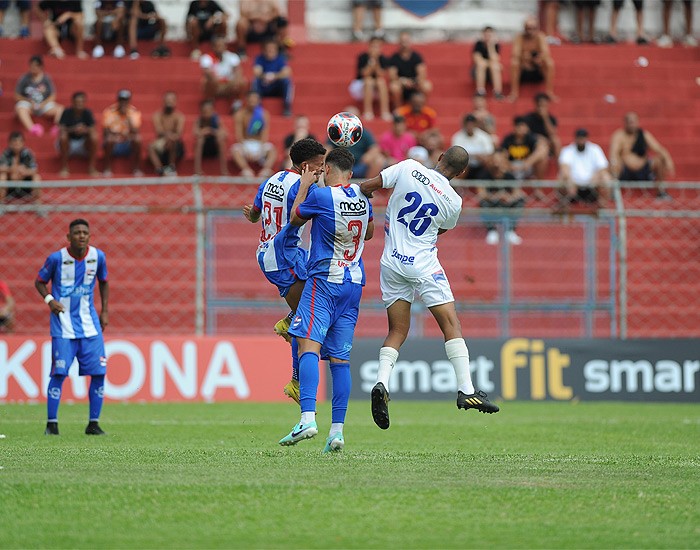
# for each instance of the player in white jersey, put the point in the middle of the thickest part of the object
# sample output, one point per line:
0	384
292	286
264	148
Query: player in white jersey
423	205
281	259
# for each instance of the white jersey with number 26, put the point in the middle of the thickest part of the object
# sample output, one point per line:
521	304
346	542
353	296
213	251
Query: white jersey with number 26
422	203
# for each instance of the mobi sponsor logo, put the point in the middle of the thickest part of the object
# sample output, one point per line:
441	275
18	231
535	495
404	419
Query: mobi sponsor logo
353	208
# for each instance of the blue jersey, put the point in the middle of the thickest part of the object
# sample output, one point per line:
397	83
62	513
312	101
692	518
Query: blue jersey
73	284
340	217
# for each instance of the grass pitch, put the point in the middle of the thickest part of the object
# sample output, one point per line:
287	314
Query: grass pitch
545	475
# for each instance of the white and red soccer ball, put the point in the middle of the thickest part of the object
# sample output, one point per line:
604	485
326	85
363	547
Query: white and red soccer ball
344	129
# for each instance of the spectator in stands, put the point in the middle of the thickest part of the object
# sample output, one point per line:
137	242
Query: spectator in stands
370	82
18	163
396	142
168	147
484	119
611	37
24	8
501	197
260	21
110	26
665	40
7	308
420	153
531	60
273	76
418	116
251	125
585	11
486	56
145	24
62	19
222	73
522	153
35	95
205	20
407	72
629	155
302	130
369	159
480	146
121	123
583	171
359	10
78	135
544	124
210	137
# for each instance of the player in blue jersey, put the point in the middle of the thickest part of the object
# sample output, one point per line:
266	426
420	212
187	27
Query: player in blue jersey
76	328
329	306
422	206
281	259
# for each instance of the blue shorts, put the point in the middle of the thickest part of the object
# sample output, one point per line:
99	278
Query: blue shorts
327	314
283	279
122	149
89	351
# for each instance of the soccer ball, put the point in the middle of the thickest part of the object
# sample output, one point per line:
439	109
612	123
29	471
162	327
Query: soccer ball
344	129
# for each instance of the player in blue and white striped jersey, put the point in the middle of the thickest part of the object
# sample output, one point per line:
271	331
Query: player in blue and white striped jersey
76	328
281	259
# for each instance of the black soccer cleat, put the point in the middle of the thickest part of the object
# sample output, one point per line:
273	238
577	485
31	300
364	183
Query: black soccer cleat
51	428
380	406
478	401
93	428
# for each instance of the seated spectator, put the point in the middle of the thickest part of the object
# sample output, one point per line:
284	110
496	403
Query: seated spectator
396	142
78	135
487	64
585	10
302	129
501	197
480	146
260	21
24	12
121	123
273	76
7	308
144	23
62	19
370	82
109	27
407	72
251	125
210	137
611	38
583	171
205	20
18	163
168	148
665	40
35	95
629	156
420	154
222	73
484	119
359	9
369	159
522	154
542	122
418	116
531	60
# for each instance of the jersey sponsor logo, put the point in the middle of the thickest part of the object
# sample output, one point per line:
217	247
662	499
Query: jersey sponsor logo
403	258
92	261
68	262
353	208
422	178
274	191
78	290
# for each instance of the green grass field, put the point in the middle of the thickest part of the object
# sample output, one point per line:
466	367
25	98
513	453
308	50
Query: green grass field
212	475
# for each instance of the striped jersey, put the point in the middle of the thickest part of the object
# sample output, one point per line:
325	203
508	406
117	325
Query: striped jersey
340	217
73	284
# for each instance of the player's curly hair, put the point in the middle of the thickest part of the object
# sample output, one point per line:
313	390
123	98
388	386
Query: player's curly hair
341	158
304	150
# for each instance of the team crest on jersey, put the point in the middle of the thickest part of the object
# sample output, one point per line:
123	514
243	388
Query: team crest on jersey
274	191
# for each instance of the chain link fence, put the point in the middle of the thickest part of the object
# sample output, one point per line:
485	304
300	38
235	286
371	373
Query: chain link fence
181	260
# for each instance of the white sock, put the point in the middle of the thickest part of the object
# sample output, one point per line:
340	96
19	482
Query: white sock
387	360
458	354
336	427
308	417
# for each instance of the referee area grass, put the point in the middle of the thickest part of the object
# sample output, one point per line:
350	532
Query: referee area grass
536	475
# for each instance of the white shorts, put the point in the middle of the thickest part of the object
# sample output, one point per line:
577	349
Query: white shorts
254	150
433	290
36	111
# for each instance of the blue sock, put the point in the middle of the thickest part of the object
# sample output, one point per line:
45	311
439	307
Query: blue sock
97	388
295	359
342	383
308	381
53	397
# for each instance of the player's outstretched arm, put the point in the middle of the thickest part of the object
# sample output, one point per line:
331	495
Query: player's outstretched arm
368	187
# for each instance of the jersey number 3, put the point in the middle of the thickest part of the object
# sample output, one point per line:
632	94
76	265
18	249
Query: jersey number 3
422	218
355	228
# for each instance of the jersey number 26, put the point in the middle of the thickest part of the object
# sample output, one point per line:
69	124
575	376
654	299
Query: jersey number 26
422	218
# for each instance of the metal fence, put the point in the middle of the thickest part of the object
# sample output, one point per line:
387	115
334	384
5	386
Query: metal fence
181	260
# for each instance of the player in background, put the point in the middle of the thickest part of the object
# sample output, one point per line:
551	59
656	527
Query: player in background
329	306
76	329
281	259
422	206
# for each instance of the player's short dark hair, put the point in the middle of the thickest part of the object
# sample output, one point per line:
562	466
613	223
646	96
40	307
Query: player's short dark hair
305	149
454	160
78	221
14	135
78	94
341	158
